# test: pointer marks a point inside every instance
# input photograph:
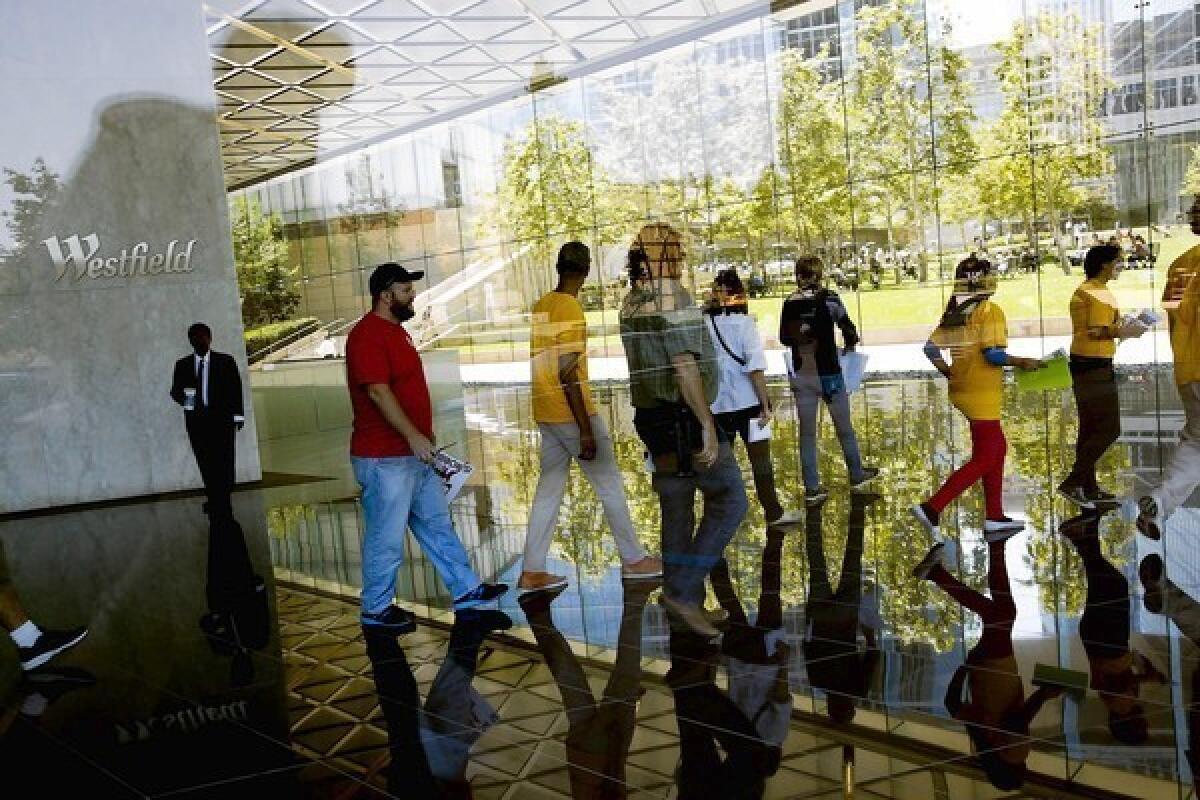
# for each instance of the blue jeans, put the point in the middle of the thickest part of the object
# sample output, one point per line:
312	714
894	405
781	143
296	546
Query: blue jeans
400	492
806	387
690	551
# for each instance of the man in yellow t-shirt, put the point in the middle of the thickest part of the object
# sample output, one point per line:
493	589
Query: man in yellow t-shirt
571	430
1181	299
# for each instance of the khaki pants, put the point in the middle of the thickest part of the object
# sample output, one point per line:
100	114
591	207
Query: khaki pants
1182	473
560	446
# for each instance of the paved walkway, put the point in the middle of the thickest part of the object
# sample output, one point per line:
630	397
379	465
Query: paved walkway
883	359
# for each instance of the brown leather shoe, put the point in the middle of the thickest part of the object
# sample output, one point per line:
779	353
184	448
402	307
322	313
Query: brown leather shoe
648	567
691	615
540	581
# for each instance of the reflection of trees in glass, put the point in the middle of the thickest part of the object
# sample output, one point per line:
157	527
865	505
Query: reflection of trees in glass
265	282
1191	179
813	185
905	96
552	190
366	191
909	429
1040	155
36	192
1041	431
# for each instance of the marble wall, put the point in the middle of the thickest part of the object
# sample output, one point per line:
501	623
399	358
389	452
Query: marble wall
115	237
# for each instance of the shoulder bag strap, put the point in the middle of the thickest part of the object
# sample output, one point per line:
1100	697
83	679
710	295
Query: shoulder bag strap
713	322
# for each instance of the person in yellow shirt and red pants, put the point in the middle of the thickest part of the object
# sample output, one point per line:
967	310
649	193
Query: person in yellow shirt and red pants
1095	326
1181	299
975	331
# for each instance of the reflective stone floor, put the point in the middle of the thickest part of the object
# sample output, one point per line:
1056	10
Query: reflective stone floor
228	662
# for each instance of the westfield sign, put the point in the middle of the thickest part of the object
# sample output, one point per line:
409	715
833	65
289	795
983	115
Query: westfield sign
81	257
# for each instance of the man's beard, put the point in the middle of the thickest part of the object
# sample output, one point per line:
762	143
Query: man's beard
402	312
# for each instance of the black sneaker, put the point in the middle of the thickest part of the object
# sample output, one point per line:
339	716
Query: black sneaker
46	686
48	645
483	593
863	484
932	559
815	497
484	619
1150	571
392	620
1147	519
1099	497
1077	495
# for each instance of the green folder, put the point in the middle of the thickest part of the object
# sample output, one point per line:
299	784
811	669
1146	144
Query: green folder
1054	375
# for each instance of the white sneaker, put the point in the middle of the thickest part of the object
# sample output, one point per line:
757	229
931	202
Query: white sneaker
997	530
923	518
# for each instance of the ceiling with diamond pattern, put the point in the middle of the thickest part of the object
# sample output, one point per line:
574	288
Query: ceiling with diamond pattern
300	78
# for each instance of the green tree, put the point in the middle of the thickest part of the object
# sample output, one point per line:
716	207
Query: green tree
265	282
813	179
910	116
36	192
1191	178
1045	155
551	189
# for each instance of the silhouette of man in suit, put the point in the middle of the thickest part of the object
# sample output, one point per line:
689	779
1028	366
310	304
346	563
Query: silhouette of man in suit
208	386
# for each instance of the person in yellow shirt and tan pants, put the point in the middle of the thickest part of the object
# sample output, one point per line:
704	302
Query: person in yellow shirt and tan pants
572	430
1181	299
1095	327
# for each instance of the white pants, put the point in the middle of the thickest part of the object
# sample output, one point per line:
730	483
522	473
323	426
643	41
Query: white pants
1182	473
560	446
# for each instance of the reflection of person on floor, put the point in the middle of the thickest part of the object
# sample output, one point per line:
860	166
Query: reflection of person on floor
600	731
995	711
1181	299
831	652
1117	671
391	450
742	400
208	386
707	717
672	381
26	750
1096	327
975	331
35	645
238	621
430	749
571	429
1164	597
806	326
758	657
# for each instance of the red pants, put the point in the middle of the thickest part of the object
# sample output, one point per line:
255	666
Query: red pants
988	448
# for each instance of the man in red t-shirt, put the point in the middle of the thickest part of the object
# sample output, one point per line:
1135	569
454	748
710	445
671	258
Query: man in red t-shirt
391	451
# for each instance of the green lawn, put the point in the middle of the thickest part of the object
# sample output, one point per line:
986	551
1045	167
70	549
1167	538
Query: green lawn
1025	297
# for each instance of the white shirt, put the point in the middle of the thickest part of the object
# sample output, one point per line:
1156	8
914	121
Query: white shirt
196	362
207	360
742	337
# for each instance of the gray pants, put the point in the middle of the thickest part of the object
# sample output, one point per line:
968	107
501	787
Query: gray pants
560	446
806	388
689	551
1182	473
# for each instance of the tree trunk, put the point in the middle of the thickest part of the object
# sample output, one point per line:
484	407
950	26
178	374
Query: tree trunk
1063	261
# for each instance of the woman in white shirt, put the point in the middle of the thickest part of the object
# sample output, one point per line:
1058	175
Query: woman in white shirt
742	402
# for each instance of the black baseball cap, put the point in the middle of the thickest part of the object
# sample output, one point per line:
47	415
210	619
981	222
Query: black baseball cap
386	274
